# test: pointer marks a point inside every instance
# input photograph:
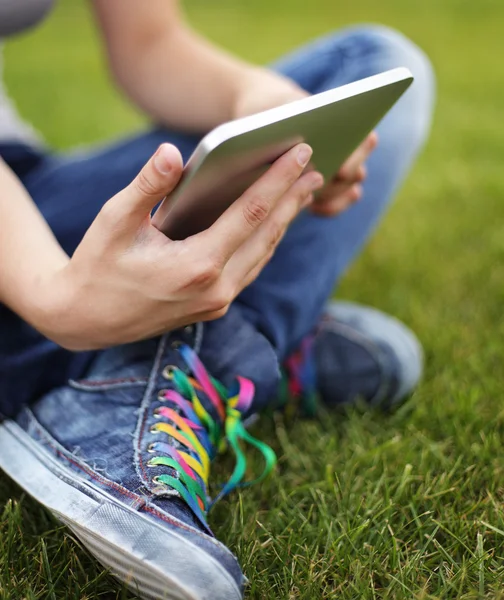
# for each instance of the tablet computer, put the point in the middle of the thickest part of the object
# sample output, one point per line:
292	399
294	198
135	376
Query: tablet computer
234	155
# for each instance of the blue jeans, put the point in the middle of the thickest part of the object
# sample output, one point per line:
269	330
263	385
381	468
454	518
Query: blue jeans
69	191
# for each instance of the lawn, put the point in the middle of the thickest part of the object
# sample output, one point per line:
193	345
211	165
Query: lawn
363	506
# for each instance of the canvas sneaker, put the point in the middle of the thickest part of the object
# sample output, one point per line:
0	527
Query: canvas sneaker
123	456
355	352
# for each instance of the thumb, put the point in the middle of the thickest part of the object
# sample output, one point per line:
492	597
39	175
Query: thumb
156	179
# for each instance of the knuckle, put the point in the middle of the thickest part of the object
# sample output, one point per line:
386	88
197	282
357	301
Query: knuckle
256	211
220	299
145	185
109	213
217	314
204	273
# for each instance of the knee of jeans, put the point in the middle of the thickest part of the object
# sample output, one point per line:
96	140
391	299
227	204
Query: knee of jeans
389	49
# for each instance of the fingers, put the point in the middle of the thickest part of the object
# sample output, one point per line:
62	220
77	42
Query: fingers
346	189
156	179
352	168
252	209
251	257
336	203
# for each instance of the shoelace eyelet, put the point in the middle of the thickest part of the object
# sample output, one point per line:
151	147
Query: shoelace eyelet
168	372
205	435
150	464
156	413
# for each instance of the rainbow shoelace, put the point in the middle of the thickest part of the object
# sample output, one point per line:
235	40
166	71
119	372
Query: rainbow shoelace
200	436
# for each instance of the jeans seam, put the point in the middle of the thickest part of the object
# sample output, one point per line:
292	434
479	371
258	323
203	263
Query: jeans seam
106	384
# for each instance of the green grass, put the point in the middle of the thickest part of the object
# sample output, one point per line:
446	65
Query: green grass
363	506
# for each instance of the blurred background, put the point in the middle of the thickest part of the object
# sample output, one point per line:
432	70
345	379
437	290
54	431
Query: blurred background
437	262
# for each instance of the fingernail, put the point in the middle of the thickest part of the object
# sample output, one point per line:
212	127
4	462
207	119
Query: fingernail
304	155
162	160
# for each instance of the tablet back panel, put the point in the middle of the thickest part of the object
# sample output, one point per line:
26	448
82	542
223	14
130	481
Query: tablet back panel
229	159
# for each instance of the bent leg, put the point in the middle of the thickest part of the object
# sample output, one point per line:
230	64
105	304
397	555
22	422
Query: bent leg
286	301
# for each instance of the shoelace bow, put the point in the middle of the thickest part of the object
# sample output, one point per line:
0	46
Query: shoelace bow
201	436
299	380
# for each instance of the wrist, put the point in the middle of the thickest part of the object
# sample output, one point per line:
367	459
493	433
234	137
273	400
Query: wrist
249	79
54	313
260	89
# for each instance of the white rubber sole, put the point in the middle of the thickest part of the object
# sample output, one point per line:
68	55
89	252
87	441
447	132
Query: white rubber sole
154	561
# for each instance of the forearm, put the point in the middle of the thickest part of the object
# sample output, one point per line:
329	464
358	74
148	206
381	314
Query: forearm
171	72
29	253
195	92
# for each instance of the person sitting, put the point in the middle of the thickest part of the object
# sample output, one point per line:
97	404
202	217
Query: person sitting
126	357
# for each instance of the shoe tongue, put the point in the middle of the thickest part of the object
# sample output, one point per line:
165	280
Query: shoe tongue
231	346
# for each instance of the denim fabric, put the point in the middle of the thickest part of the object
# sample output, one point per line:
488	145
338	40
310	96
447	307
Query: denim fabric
316	250
69	190
99	427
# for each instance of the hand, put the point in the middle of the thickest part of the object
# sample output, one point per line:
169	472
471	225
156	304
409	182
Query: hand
346	186
128	281
265	89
